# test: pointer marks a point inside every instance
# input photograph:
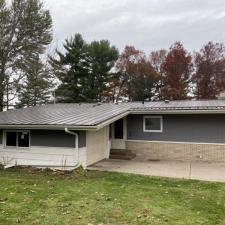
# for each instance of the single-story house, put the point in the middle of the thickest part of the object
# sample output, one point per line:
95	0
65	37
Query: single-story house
70	135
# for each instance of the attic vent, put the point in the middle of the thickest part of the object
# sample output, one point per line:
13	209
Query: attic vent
167	101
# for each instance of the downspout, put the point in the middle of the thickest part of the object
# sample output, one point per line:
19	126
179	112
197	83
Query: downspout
77	145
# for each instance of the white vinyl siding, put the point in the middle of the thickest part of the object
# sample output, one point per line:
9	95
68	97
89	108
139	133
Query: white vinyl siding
43	157
97	145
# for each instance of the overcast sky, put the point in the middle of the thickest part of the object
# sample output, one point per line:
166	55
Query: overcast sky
146	24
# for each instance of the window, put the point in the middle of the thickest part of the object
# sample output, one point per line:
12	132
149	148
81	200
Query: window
10	138
23	139
153	124
17	139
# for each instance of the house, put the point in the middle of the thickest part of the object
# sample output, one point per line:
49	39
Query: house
70	135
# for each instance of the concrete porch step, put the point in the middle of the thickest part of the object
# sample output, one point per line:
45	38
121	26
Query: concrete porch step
124	157
120	152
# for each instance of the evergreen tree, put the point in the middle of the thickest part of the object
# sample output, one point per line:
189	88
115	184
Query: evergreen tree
25	30
72	70
83	70
102	60
37	84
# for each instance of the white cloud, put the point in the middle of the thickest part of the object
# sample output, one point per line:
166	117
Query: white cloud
147	24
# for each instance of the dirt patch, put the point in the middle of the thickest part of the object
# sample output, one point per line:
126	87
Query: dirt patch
78	173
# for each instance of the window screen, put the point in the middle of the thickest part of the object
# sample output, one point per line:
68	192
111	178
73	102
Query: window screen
153	124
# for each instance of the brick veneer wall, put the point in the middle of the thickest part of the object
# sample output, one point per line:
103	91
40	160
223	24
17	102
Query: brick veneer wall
177	151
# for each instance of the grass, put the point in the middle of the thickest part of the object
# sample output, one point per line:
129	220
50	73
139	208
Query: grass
30	197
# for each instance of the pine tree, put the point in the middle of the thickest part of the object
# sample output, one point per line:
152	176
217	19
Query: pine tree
37	84
83	70
72	70
102	60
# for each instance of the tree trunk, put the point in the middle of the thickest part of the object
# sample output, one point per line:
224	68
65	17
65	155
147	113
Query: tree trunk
2	75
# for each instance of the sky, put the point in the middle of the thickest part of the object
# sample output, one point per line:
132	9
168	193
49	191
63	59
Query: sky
146	24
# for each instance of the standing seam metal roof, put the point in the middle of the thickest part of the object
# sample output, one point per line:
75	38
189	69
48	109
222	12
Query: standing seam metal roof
86	114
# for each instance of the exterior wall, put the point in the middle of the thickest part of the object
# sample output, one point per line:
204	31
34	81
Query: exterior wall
97	145
39	156
48	148
184	137
180	128
56	138
177	151
1	137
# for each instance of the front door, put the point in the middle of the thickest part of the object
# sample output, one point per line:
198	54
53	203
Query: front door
118	134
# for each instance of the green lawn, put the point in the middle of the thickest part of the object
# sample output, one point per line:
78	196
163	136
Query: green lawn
30	197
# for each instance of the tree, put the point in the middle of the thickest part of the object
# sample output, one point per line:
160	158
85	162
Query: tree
144	82
177	68
209	78
37	85
25	30
157	59
84	70
72	69
102	60
135	78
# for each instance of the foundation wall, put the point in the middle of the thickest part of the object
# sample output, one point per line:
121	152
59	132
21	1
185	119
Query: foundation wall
177	151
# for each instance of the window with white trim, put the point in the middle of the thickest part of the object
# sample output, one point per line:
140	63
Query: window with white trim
153	124
17	139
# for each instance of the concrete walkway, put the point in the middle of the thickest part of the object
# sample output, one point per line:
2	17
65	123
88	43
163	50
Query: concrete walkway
177	169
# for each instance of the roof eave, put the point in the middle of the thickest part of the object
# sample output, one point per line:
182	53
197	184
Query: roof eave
202	111
63	126
108	121
47	127
111	120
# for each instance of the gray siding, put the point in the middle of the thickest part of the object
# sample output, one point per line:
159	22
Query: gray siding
56	138
180	128
1	137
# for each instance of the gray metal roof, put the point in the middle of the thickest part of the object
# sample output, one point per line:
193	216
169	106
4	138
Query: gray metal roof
94	114
181	105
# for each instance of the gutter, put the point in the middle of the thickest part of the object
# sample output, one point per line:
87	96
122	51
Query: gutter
46	127
163	112
73	133
77	145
